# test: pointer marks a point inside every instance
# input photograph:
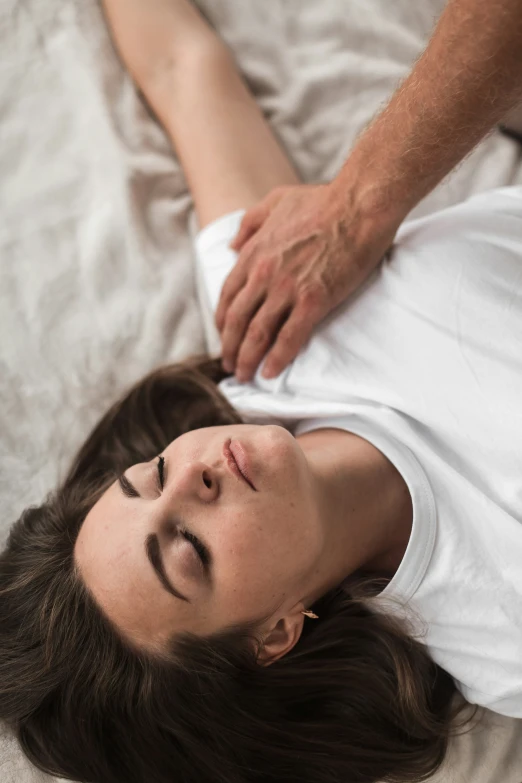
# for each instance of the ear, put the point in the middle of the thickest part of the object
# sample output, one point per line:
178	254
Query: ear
282	638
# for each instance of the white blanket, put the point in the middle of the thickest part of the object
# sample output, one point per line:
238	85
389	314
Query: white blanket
97	281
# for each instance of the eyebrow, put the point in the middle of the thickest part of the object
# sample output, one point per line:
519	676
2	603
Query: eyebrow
152	545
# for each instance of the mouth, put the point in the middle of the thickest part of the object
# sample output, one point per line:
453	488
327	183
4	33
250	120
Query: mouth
237	462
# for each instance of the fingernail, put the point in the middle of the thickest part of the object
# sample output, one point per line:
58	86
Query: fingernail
267	372
227	366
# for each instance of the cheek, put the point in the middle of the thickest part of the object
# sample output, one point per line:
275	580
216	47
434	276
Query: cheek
261	549
244	543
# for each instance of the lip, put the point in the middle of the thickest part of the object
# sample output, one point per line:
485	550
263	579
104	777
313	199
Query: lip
237	462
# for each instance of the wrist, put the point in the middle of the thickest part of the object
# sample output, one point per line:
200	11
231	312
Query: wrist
370	200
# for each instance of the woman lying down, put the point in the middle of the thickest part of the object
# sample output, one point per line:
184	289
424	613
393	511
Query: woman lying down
289	579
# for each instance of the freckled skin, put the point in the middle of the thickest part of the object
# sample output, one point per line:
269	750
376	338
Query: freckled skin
275	550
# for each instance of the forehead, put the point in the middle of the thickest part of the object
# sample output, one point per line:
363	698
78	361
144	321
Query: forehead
110	556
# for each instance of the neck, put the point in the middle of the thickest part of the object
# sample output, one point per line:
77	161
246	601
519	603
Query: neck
364	506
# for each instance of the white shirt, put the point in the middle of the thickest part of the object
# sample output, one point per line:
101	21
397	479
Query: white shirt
424	360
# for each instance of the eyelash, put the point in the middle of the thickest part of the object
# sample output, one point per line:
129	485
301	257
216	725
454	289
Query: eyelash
198	546
196	543
161	471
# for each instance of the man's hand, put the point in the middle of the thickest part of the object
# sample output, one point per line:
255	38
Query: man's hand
303	250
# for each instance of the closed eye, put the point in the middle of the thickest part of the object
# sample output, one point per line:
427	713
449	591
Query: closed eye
161	472
199	546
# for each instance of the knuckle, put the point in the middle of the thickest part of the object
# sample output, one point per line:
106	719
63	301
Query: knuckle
286	283
233	321
257	334
263	271
311	297
226	295
243	267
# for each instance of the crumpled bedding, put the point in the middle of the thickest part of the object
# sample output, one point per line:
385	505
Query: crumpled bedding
97	276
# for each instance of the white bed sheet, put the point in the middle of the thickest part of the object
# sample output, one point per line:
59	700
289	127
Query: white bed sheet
97	281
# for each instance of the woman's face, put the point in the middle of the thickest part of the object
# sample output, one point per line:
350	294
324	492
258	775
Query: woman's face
263	544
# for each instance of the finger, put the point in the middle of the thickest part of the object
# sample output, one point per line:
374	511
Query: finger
235	282
292	336
256	216
239	315
261	334
252	222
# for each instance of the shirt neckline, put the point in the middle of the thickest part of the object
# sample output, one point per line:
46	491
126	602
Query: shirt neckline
418	553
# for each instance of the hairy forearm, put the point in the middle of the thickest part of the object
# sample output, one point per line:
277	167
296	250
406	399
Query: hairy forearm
468	77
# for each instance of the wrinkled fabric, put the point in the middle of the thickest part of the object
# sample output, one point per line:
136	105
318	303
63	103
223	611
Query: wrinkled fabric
97	280
424	361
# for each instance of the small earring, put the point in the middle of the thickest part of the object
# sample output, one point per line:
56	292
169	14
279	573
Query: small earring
310	614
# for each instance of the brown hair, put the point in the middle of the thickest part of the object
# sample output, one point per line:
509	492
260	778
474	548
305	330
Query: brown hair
356	699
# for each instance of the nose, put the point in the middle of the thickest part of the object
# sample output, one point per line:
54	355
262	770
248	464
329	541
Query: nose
194	479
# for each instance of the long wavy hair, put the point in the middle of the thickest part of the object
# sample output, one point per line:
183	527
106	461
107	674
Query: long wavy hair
356	700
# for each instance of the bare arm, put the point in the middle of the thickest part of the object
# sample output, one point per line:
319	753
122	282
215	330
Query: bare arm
304	249
316	245
153	37
466	80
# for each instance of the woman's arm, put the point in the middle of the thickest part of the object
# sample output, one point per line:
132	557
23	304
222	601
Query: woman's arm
152	37
230	156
